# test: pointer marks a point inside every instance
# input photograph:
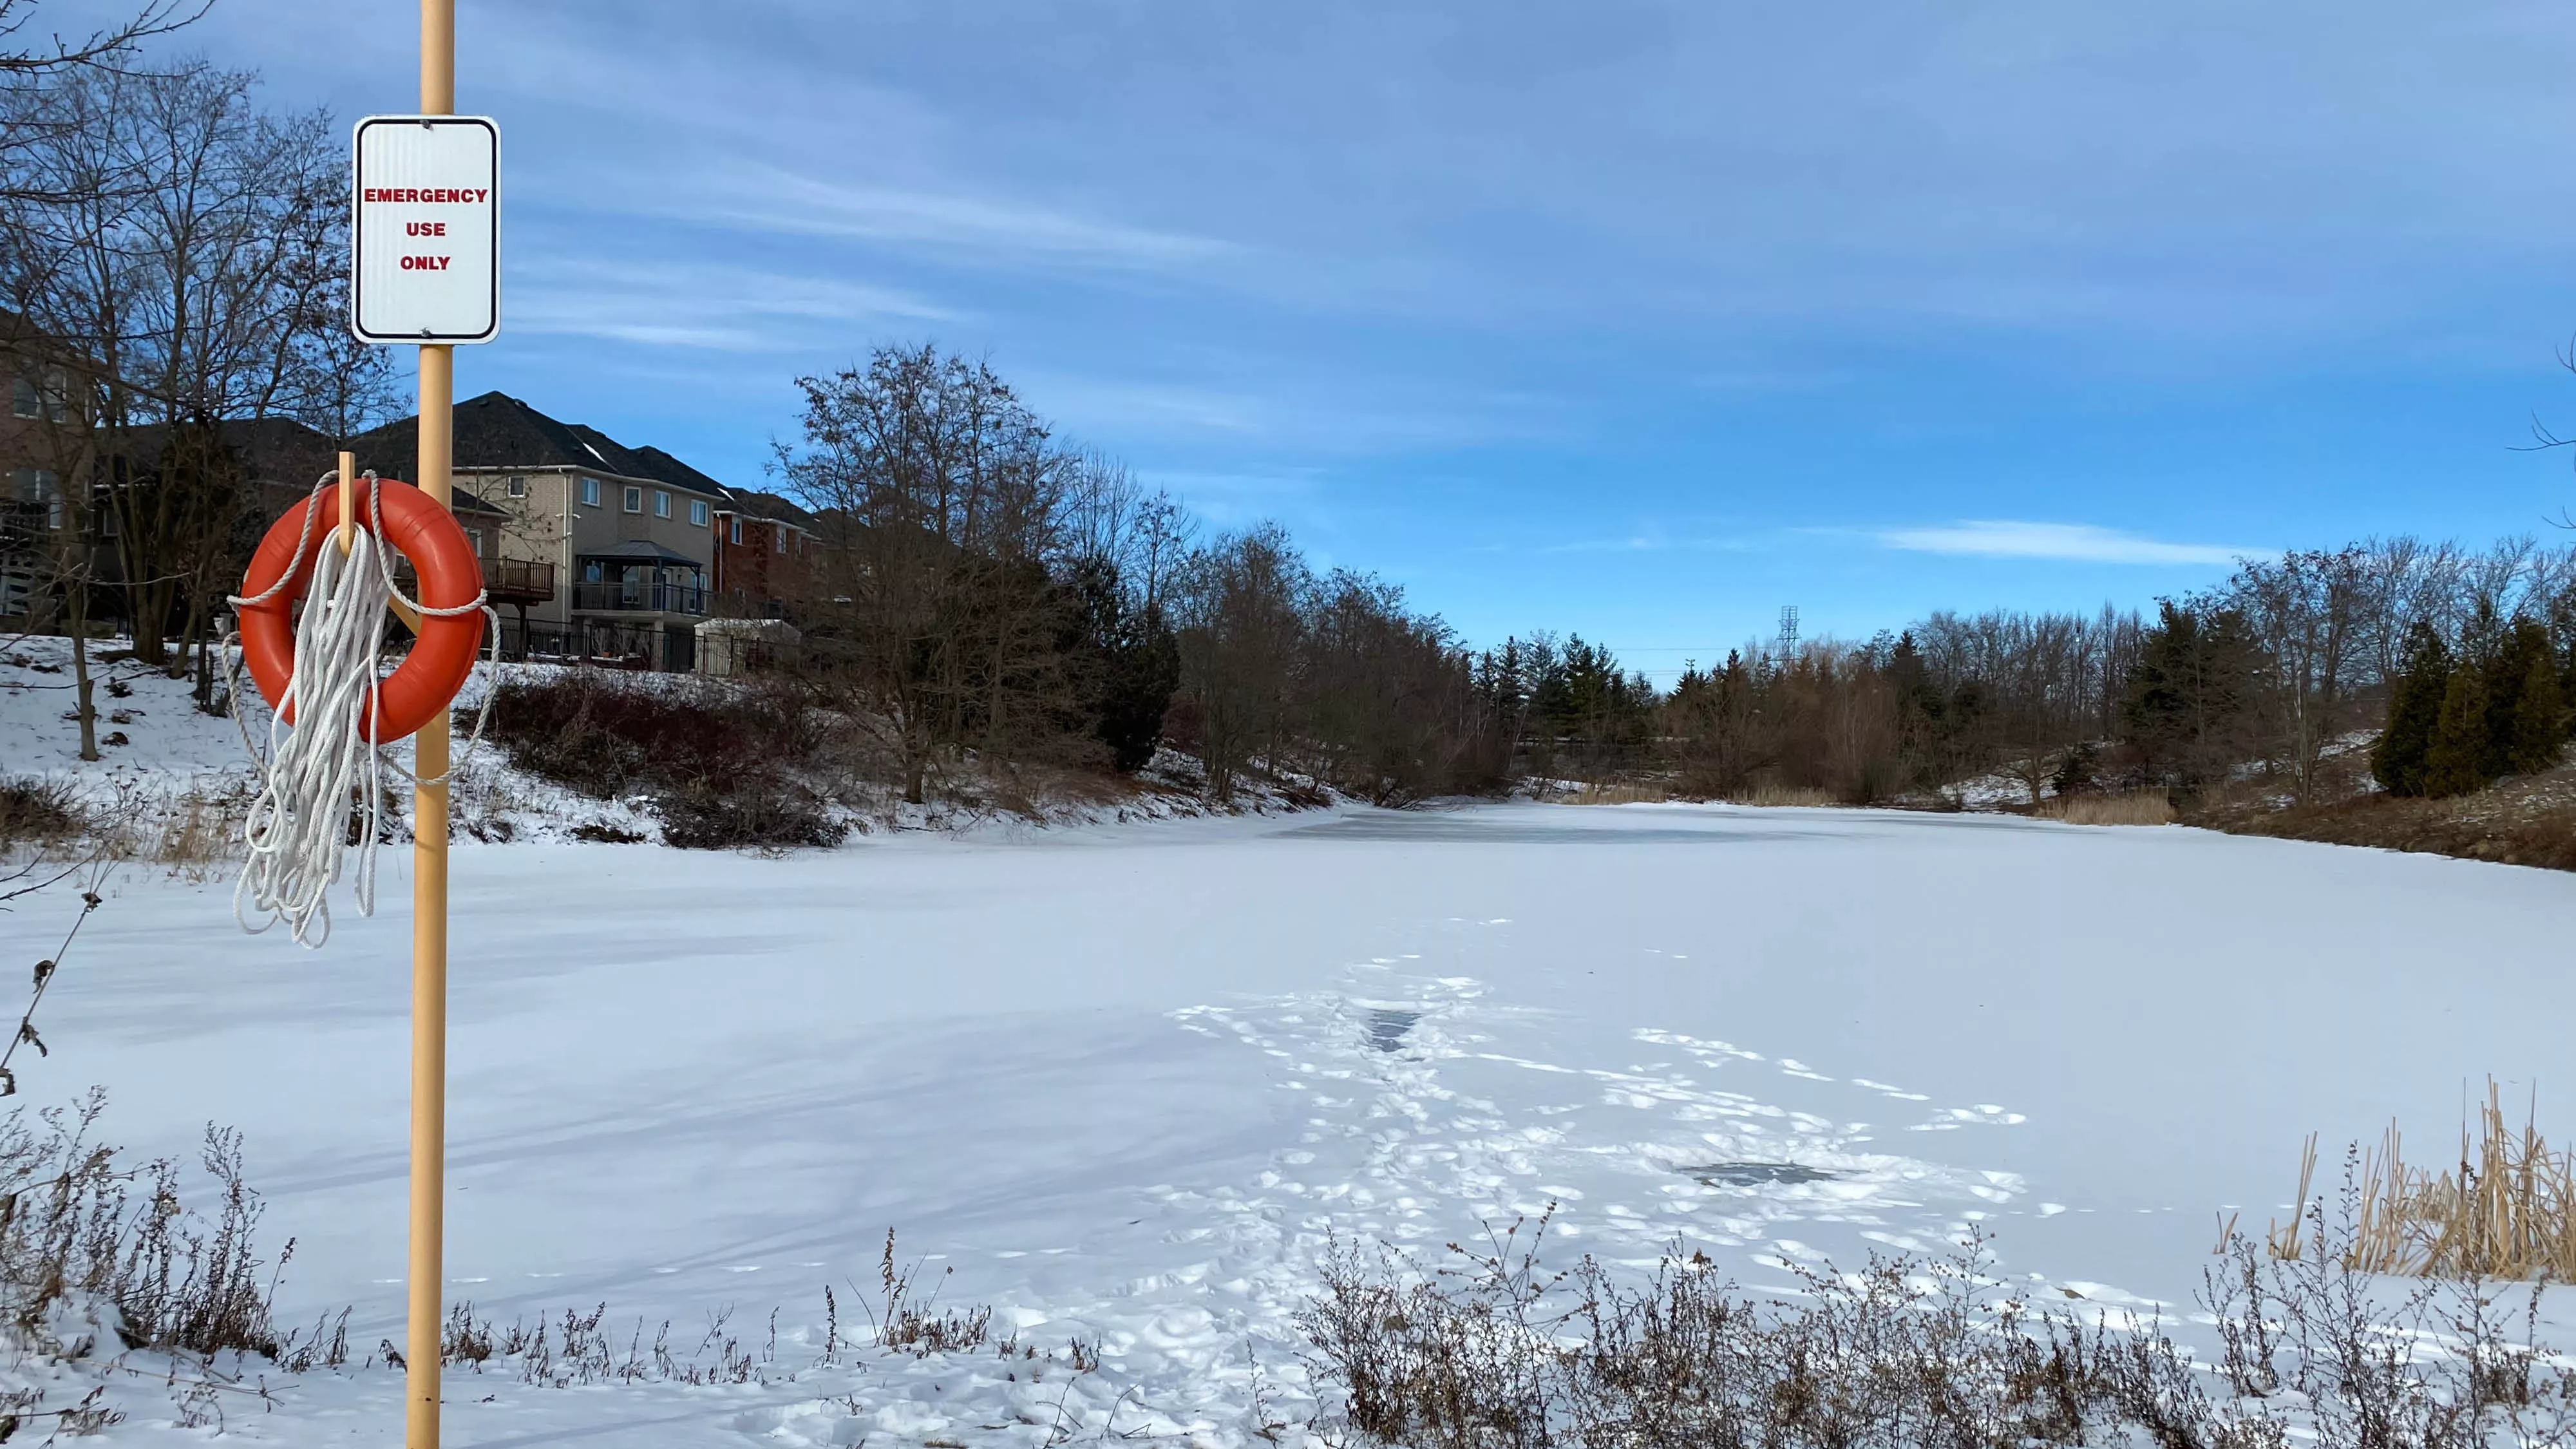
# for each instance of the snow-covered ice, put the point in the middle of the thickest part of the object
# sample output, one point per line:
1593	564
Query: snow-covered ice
1123	1080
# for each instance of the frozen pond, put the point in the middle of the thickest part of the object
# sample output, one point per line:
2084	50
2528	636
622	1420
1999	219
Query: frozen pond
1124	1080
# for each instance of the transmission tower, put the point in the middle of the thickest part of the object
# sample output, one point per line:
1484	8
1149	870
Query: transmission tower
1788	631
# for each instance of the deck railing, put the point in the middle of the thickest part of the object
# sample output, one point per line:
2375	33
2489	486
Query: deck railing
614	596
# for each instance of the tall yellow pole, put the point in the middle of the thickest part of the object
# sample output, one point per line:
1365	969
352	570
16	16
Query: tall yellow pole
429	861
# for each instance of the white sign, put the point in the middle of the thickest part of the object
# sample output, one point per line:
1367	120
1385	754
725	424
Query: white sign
425	229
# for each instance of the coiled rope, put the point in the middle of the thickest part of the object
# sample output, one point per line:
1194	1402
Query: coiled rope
321	770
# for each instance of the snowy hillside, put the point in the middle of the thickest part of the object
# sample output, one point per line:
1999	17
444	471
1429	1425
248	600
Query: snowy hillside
1125	1081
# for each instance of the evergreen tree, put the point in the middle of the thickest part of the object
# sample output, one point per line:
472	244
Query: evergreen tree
1130	664
2508	661
2188	703
2456	763
2414	711
1144	673
2536	718
1922	716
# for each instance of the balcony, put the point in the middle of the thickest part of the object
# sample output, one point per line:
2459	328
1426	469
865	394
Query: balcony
518	581
637	596
506	581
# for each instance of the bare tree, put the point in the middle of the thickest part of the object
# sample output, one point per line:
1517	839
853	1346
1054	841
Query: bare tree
2306	613
1239	608
189	246
31	58
25	53
943	509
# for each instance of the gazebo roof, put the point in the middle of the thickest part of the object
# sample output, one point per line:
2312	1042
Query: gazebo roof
644	550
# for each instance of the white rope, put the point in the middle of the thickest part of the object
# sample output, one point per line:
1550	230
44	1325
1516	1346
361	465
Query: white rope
321	770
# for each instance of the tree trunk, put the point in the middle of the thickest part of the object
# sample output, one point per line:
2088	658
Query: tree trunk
79	618
206	665
150	603
177	667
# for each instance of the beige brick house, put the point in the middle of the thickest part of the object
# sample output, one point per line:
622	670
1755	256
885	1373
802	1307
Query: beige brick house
624	538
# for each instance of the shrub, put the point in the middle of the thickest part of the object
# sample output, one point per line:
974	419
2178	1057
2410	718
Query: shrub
607	735
77	1222
756	814
719	761
37	812
1492	1352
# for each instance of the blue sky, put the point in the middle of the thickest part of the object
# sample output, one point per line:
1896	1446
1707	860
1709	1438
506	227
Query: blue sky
1637	320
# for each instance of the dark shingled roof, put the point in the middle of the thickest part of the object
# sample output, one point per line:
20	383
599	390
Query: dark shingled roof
277	451
284	457
606	452
497	430
652	462
753	503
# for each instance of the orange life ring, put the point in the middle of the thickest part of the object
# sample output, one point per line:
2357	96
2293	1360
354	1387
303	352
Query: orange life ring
450	576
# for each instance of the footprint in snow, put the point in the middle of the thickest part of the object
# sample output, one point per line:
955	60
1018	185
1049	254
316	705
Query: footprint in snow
1419	1124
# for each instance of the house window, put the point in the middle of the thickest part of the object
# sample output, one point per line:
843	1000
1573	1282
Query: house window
634	499
698	512
518	487
737	528
24	399
780	546
475	536
590	491
661	504
36	485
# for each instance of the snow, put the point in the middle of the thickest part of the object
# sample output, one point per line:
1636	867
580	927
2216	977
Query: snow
165	733
1123	1080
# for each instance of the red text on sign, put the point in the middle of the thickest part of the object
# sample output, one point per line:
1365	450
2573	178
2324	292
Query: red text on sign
458	195
424	228
425	264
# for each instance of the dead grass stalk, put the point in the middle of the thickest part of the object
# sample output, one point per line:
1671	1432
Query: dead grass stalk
1769	794
2136	807
1619	792
2505	1209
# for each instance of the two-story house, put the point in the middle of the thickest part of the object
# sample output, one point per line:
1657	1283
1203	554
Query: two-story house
630	533
765	547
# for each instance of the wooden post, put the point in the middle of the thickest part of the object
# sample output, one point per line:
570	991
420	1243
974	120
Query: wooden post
429	862
348	501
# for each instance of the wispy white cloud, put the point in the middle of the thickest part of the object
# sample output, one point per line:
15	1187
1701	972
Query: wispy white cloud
701	305
1649	543
1102	403
2069	542
1240	401
1233	500
757	196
